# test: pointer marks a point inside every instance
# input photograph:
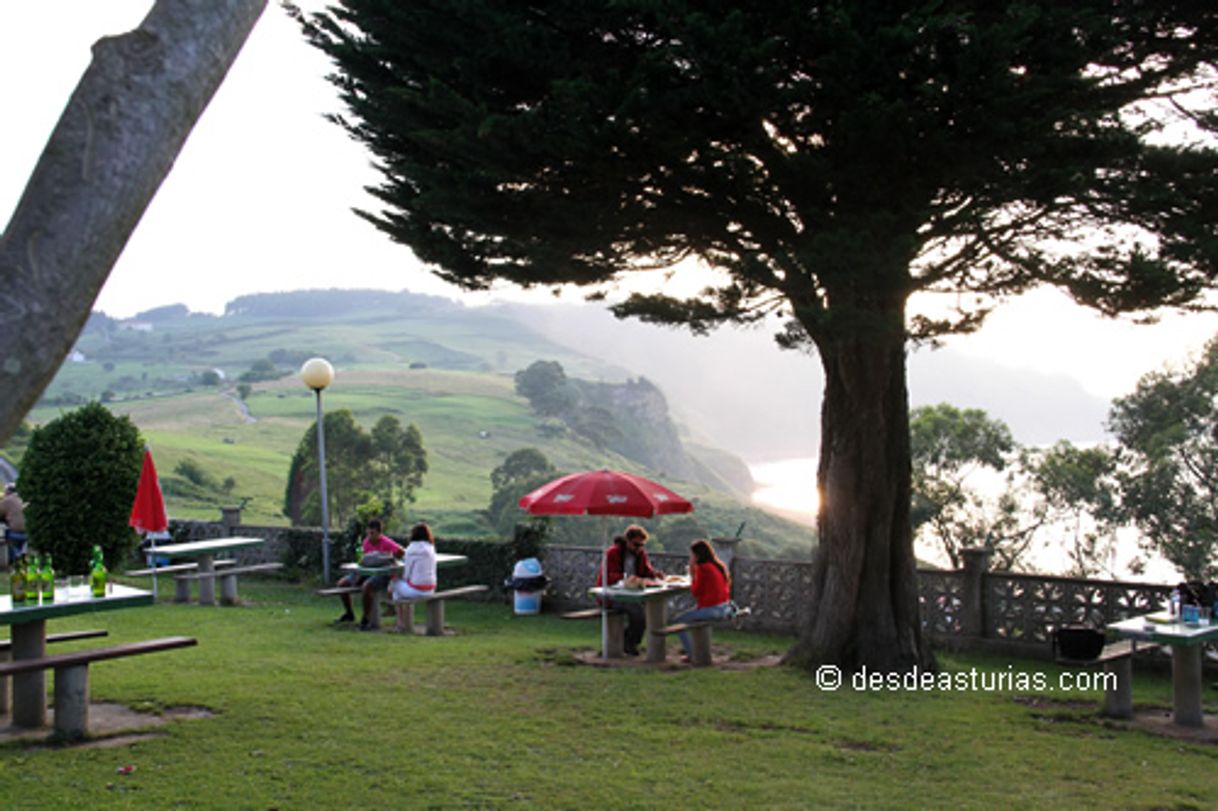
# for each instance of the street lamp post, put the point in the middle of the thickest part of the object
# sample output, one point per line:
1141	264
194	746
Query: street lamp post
317	374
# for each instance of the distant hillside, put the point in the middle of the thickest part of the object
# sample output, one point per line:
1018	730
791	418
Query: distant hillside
446	368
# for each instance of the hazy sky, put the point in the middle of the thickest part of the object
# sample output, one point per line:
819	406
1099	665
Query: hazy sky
259	200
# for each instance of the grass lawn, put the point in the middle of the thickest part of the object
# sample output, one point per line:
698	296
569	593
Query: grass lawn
307	715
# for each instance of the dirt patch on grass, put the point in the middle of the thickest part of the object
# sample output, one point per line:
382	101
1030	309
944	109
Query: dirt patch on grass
721	659
110	725
1154	720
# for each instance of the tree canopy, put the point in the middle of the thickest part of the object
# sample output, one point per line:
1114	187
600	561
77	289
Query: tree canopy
829	159
1168	434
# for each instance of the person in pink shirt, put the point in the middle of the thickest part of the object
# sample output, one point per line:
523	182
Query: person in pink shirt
374	542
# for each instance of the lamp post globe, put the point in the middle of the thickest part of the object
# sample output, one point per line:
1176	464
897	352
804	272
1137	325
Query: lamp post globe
317	374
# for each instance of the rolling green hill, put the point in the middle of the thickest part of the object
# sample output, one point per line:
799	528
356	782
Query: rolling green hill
429	361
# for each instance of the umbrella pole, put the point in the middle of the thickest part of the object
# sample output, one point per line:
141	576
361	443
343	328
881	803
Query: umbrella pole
152	546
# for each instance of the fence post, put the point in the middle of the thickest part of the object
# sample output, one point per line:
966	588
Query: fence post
230	519
972	597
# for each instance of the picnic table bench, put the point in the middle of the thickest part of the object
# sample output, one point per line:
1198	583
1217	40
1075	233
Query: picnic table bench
182	587
6	650
1116	658
228	579
434	603
72	677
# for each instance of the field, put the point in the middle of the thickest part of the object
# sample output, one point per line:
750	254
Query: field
501	715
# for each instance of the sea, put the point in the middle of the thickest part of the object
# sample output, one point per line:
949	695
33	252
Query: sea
788	487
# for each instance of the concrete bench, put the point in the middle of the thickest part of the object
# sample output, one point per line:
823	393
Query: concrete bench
435	607
613	628
6	648
182	592
700	634
1116	658
72	677
228	579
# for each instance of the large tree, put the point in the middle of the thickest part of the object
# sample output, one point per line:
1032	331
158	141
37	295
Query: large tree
1168	434
830	159
115	142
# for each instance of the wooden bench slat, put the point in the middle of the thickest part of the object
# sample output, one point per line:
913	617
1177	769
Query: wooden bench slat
175	567
95	655
444	595
588	613
330	592
66	636
257	567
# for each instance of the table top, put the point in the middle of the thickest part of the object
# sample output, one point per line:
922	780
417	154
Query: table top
641	595
443	561
75	600
1163	628
194	549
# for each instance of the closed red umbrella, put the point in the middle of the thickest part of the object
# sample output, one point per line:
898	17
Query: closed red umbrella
148	511
604	492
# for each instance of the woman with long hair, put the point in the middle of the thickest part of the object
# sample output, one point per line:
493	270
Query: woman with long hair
418	577
711	586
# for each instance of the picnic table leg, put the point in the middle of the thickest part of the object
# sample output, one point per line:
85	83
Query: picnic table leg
30	689
4	692
228	589
613	631
1186	685
181	592
207	585
656	612
435	618
374	613
72	701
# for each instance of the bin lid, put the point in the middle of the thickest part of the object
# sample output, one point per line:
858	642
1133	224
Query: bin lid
529	567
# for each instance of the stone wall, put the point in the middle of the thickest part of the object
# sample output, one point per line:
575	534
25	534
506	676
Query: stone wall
973	608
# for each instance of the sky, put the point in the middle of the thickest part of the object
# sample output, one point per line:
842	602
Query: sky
260	200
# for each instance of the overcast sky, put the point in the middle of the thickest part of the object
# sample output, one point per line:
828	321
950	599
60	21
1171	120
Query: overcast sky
260	198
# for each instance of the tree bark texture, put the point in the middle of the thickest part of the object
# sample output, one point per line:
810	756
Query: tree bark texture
114	144
864	599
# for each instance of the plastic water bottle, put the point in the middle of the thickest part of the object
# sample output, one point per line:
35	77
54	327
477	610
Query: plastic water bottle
1175	603
97	574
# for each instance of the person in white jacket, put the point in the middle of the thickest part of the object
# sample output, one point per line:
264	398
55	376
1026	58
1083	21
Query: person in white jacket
418	578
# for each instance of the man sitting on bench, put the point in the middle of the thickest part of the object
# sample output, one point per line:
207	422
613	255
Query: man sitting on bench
374	542
711	586
418	578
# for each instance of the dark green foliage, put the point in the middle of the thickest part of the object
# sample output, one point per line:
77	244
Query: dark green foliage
388	464
521	472
78	478
193	472
831	159
262	369
1168	431
1079	485
544	385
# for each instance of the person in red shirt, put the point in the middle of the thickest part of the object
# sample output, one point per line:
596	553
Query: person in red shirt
626	560
711	586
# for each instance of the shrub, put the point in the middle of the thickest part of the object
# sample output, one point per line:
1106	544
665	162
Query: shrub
78	478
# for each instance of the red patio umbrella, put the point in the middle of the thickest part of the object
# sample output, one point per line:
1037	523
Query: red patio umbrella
604	492
148	511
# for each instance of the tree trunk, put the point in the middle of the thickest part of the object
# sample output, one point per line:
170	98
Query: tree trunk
864	599
115	142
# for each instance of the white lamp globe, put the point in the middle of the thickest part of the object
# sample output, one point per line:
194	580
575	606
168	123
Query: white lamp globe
317	373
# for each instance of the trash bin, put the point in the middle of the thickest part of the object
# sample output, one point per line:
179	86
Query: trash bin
529	583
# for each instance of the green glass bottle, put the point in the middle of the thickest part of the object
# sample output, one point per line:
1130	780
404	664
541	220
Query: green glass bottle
97	574
48	579
33	578
17	581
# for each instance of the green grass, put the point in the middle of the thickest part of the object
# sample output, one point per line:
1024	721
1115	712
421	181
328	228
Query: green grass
310	716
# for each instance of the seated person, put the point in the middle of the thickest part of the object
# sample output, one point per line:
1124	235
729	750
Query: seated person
418	577
626	559
374	542
12	515
711	586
